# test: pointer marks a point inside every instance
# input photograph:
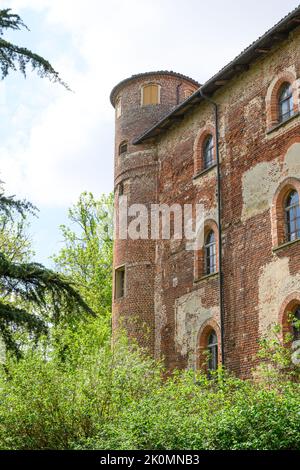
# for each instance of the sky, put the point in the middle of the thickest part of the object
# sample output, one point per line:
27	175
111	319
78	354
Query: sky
55	144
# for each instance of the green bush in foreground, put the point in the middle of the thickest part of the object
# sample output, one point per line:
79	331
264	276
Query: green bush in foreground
99	397
183	415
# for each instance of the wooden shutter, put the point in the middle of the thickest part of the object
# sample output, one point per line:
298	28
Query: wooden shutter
150	94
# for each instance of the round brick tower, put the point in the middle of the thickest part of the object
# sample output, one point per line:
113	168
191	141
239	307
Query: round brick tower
139	101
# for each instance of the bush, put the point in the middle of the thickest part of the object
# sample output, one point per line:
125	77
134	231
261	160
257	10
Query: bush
206	415
54	404
85	394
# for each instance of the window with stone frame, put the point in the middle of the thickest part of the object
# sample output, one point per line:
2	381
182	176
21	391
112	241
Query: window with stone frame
285	102
209	347
208	152
210	260
282	99
204	150
206	257
292	216
212	349
120	282
123	147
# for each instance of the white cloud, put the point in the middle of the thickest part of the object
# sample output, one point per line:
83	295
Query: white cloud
69	144
55	144
53	162
62	142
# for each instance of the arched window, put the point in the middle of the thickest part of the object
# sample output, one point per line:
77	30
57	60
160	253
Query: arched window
292	216
285	102
212	347
210	253
296	324
123	147
208	152
150	94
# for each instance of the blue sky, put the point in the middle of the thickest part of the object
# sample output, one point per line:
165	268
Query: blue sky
55	144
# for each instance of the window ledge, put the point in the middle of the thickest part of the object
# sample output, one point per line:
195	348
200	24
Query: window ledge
119	299
285	245
149	105
206	277
283	123
203	172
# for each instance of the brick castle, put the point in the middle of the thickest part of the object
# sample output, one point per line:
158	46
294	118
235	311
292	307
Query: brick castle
232	144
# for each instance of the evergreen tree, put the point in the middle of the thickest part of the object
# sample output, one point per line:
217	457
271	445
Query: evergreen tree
31	296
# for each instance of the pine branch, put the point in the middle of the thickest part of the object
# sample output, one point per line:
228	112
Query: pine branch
10	204
34	283
48	294
13	57
10	21
11	318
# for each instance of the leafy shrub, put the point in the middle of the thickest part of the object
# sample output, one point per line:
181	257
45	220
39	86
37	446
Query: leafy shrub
89	393
46	403
230	414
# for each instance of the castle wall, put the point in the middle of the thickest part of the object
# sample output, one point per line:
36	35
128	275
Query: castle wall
187	304
254	162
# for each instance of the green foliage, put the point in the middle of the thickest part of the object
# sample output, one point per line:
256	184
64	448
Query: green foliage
9	205
14	240
206	415
31	296
77	389
87	253
277	355
47	404
103	396
13	57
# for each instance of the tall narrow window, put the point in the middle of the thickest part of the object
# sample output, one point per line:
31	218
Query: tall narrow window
120	282
123	147
150	94
210	253
296	324
292	216
285	102
212	347
208	152
118	108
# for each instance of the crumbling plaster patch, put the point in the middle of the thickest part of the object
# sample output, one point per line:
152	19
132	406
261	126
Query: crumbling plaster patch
204	179
275	284
260	183
190	315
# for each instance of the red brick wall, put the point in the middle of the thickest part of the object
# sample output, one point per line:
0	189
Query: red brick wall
137	170
253	166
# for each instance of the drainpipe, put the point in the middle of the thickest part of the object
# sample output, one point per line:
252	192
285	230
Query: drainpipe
221	287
